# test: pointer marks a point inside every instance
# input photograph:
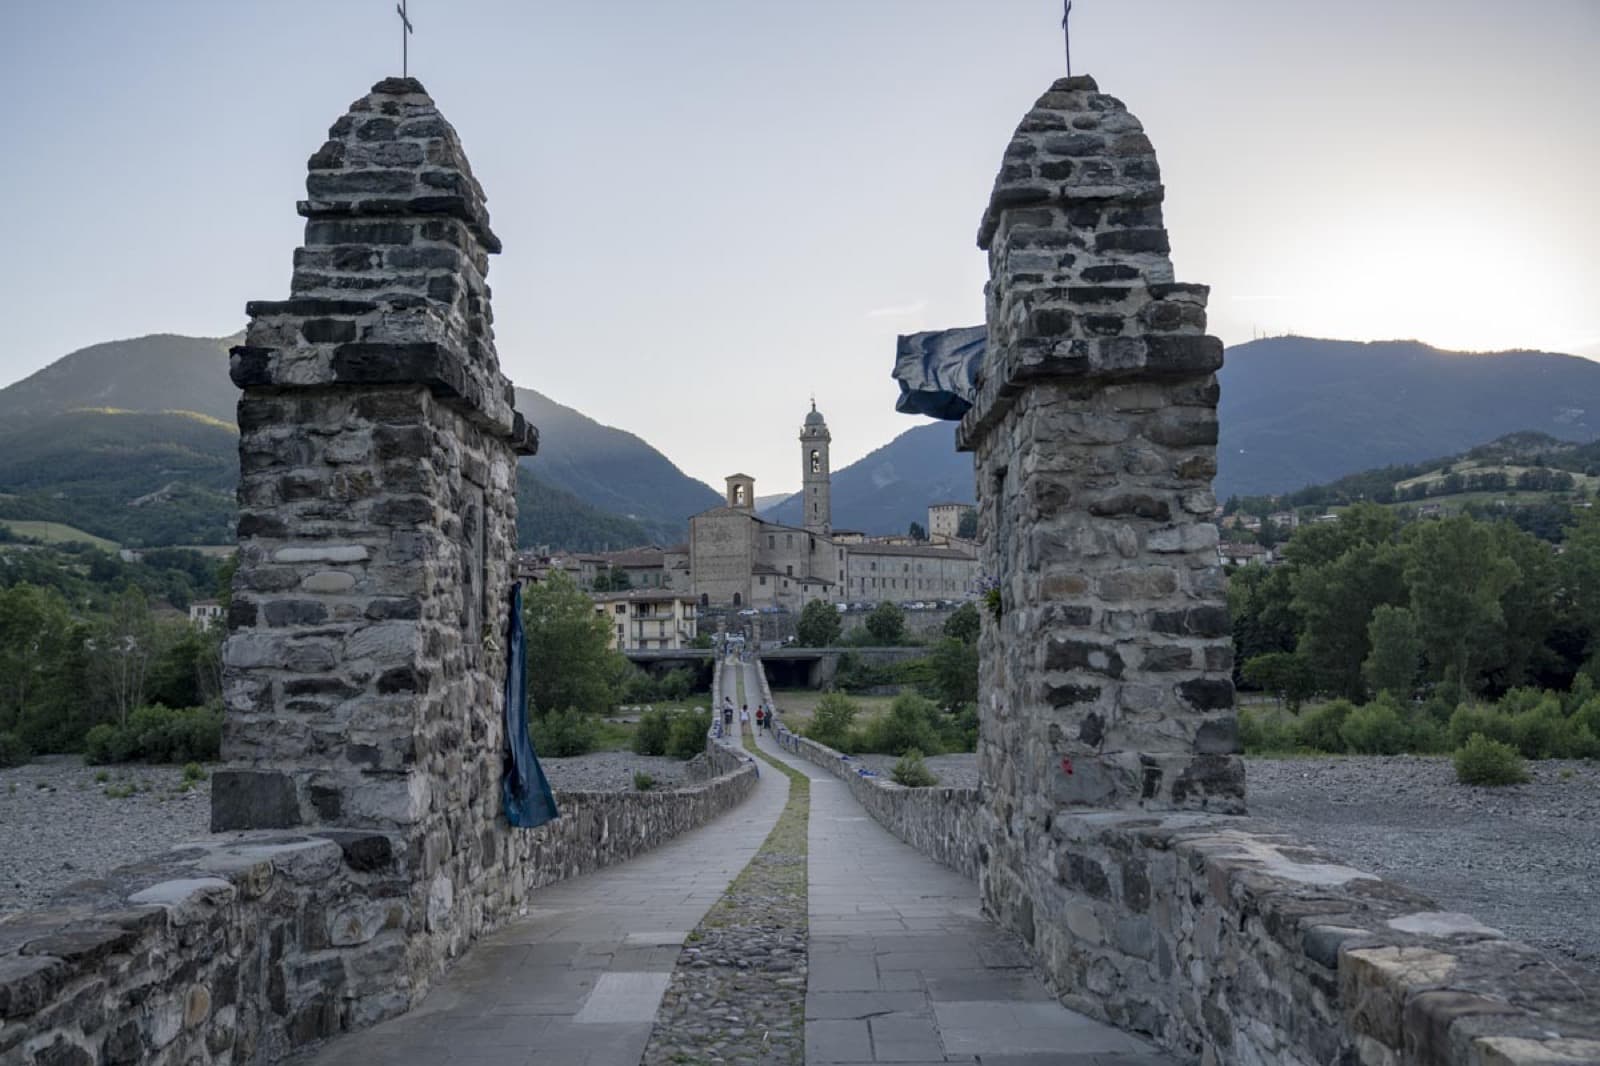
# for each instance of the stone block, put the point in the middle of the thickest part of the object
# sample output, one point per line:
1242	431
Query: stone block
253	799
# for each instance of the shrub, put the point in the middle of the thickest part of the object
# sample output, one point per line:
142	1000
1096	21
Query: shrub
1264	733
157	733
687	737
832	722
912	723
1428	737
161	734
193	773
14	751
1379	728
1320	730
1470	719
912	772
959	731
655	728
643	782
1541	733
1482	761
563	734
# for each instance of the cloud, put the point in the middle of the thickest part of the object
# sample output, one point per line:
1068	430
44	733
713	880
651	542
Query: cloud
899	310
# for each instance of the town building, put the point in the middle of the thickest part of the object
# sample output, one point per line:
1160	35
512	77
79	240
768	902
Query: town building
203	614
649	619
944	520
737	558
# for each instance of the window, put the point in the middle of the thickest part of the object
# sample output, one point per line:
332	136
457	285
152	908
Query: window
622	608
736	598
788	540
738	495
772	541
816	463
763	579
790	571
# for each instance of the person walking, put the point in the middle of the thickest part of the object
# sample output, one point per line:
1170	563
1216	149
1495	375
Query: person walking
744	717
761	718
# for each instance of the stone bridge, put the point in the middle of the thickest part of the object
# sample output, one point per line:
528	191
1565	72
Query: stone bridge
366	851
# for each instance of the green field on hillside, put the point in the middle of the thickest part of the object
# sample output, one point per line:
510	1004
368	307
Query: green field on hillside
56	533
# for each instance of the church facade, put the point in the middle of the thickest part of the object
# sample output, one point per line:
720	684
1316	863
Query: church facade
738	559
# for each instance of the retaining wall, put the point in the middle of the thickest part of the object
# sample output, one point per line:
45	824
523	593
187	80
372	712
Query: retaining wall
247	950
1226	941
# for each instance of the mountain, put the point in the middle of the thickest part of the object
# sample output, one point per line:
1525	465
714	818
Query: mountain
134	441
137	478
1297	411
613	470
892	487
163	372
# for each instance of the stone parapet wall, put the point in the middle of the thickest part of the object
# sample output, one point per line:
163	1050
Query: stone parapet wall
1226	940
942	823
246	951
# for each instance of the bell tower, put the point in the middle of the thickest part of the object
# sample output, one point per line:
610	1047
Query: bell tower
816	480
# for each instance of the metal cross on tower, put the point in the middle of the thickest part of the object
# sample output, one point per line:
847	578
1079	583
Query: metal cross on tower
1066	32
406	31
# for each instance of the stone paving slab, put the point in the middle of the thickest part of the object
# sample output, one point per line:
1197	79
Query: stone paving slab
905	969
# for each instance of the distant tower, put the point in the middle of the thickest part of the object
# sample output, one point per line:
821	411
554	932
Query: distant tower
816	483
742	492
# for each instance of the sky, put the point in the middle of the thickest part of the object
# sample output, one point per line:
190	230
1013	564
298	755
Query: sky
713	209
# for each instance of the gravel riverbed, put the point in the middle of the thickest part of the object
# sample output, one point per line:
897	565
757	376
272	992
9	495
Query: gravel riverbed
62	821
1523	859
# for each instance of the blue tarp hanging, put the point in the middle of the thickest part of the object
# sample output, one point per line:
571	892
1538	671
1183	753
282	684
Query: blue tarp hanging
529	801
938	372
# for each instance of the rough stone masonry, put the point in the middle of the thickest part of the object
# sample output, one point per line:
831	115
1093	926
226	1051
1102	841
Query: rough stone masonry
1107	679
378	450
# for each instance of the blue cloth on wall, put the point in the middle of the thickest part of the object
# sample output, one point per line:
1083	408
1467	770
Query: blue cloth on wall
938	371
528	799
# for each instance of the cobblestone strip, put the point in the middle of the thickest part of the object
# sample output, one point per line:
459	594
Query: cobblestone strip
738	991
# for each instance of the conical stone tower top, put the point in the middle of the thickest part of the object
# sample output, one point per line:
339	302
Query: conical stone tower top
390	286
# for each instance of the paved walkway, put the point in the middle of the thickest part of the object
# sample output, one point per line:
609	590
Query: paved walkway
578	980
904	969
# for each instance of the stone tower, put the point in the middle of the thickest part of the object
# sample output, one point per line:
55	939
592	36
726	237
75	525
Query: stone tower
1106	676
365	664
741	492
816	480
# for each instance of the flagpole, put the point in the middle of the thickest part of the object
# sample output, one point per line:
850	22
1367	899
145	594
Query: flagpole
1066	32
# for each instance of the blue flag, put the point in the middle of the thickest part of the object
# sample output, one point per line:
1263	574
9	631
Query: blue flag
529	801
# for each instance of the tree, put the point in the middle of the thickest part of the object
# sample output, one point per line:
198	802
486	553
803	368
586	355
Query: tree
1396	654
612	580
819	624
887	623
967	527
1284	674
1457	575
1336	601
964	624
570	661
124	644
954	666
1522	655
35	631
916	532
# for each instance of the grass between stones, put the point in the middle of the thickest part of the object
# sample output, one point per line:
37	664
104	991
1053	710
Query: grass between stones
738	991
